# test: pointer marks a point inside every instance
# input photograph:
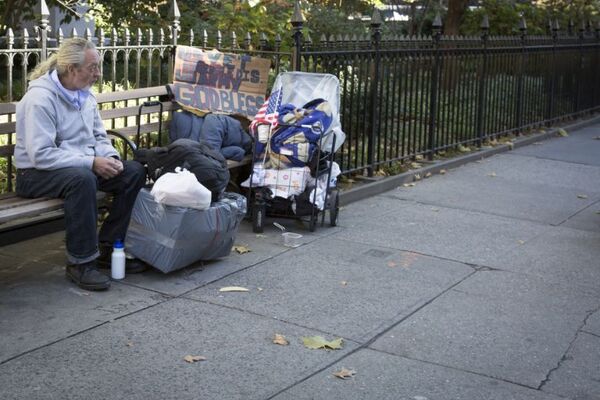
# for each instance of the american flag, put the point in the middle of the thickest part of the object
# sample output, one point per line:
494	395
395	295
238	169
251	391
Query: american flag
269	111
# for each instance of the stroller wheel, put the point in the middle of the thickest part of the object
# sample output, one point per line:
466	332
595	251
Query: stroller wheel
258	218
334	207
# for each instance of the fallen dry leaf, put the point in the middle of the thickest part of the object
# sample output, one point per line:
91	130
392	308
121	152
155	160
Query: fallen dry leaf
391	264
427	175
562	132
319	342
280	340
435	209
344	373
260	235
193	359
463	149
417	177
129	344
344	283
233	289
415	165
442	171
241	249
419	157
582	196
409	184
521	242
492	174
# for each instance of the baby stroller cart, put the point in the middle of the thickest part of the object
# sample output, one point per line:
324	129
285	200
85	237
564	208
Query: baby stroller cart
296	134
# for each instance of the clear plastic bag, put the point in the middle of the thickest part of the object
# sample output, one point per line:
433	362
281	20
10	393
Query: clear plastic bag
181	188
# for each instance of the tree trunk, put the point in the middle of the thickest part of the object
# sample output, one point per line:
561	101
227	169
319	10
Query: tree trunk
456	11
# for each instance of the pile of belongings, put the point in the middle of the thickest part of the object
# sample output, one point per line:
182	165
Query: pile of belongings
221	132
284	159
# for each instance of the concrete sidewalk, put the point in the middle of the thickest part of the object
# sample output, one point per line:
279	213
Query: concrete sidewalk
483	283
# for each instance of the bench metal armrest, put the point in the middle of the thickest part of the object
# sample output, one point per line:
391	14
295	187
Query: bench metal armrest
129	142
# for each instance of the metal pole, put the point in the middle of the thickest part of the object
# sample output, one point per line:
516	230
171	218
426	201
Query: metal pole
519	107
485	28
44	14
374	79
175	15
435	75
297	22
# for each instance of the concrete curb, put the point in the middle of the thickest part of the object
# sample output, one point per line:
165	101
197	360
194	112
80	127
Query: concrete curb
381	185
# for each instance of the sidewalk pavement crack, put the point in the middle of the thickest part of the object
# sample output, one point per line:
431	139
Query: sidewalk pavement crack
564	356
52	343
456	369
590	333
272	318
368	343
480	212
578	212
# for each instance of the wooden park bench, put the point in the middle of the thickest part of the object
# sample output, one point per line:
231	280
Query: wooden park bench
22	218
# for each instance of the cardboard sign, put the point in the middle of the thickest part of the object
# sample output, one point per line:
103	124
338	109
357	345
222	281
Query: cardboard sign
219	82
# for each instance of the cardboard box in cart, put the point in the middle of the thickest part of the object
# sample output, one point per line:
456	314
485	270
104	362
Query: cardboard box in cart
170	238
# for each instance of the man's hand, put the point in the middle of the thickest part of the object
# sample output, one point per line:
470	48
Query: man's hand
107	167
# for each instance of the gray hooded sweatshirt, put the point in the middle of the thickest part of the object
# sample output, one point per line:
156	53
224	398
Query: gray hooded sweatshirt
53	133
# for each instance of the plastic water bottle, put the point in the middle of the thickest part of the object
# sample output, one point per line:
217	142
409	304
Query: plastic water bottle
117	264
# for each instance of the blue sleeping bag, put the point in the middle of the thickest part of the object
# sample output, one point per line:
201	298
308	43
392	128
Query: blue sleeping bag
295	140
223	133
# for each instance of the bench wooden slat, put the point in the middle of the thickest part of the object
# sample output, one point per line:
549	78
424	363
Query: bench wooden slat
133	111
30	209
7	127
16	201
131	94
9	108
7	150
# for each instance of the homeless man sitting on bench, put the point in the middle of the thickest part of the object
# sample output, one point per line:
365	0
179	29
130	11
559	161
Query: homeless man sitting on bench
62	151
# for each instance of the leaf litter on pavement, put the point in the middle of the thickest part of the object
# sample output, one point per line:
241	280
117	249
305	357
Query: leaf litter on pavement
319	342
344	373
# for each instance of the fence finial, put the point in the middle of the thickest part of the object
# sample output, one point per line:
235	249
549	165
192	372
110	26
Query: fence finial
376	17
570	27
43	12
297	17
174	11
523	25
437	22
175	15
485	23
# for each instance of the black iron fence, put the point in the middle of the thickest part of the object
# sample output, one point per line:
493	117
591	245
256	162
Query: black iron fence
402	97
408	96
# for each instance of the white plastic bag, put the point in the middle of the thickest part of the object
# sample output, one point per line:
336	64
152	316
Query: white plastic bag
181	188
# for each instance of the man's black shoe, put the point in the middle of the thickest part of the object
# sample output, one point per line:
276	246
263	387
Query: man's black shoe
132	265
87	276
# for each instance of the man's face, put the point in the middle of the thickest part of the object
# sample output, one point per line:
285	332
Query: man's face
87	74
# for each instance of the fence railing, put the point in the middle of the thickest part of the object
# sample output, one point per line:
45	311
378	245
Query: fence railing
401	97
408	96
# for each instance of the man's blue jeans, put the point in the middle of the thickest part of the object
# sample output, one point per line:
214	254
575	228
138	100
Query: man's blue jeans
78	186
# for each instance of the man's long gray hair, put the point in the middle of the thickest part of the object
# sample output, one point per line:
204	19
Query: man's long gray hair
72	51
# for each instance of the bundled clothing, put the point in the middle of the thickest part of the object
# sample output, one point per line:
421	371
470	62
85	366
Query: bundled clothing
223	133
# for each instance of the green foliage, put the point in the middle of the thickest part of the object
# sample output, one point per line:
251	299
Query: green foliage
504	16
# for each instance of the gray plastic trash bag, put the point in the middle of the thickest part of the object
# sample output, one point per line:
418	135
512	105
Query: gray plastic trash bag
170	238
